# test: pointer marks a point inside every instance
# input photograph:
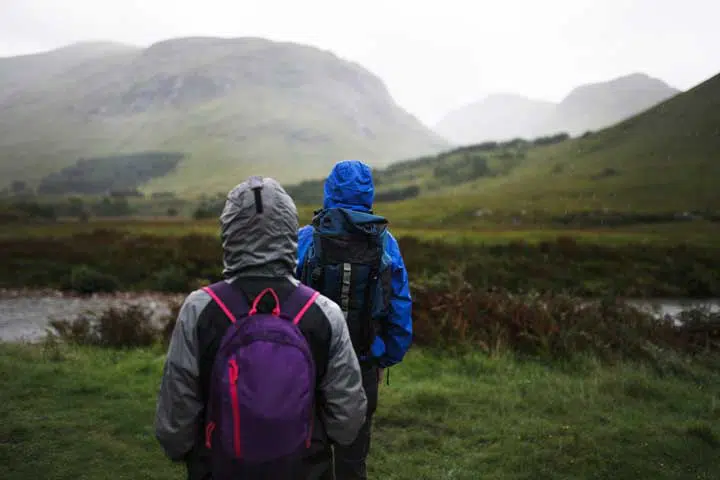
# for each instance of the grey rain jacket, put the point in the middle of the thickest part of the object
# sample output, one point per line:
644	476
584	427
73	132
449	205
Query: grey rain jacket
259	250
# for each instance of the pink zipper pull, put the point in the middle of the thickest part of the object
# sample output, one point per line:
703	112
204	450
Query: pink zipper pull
208	434
233	371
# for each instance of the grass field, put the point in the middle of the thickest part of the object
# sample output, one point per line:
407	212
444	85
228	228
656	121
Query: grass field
82	413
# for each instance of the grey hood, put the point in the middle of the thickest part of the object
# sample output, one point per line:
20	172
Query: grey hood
259	243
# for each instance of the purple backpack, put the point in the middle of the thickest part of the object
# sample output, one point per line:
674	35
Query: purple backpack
260	410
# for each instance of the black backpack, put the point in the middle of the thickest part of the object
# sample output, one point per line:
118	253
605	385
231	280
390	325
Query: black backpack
347	263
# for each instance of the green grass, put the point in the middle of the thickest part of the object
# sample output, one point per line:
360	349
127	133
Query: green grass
82	413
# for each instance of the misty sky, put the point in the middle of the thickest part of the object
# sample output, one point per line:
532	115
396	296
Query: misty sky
433	55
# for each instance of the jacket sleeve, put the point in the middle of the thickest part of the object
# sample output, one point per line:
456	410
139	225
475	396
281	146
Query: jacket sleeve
304	240
393	343
179	402
345	402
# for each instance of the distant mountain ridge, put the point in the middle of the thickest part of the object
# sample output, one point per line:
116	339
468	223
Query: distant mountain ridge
587	107
232	107
496	117
662	162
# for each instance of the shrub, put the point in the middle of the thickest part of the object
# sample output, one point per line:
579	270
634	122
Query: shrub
398	194
552	326
78	332
171	279
450	312
161	195
605	173
85	279
125	327
468	167
210	207
564	265
31	211
309	192
551	139
120	174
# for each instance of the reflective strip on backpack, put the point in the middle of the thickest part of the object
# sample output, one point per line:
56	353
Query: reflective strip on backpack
345	292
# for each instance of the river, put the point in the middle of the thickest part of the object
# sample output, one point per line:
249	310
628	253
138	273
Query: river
674	306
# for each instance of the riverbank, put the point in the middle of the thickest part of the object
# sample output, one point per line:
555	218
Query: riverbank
454	315
25	314
79	412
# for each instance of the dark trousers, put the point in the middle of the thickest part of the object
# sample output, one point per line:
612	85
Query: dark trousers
351	460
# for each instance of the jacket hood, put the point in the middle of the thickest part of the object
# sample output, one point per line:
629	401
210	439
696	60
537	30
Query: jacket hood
350	185
259	243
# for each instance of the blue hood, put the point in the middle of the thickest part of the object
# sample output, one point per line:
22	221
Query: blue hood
350	185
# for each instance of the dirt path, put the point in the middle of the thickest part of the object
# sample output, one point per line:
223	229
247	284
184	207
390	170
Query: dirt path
24	314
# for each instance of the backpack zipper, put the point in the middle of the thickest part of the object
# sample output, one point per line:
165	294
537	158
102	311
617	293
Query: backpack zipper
233	372
308	440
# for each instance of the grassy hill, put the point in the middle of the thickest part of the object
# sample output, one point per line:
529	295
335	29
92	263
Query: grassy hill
666	159
232	107
587	107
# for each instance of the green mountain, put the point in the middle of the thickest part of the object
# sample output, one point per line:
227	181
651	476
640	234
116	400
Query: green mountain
228	107
587	107
666	159
19	74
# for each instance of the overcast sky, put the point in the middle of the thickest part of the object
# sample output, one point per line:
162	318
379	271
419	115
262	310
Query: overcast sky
433	55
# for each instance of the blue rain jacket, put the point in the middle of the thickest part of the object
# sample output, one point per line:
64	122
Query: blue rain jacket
350	186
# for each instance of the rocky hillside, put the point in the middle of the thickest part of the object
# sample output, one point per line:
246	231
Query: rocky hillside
231	107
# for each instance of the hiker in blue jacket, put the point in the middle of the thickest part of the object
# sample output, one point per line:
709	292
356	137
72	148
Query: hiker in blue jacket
349	255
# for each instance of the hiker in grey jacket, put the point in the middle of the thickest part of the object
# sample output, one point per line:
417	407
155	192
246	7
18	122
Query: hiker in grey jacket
259	251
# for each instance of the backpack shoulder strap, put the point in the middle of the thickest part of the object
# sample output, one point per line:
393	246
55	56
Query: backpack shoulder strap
298	303
231	301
